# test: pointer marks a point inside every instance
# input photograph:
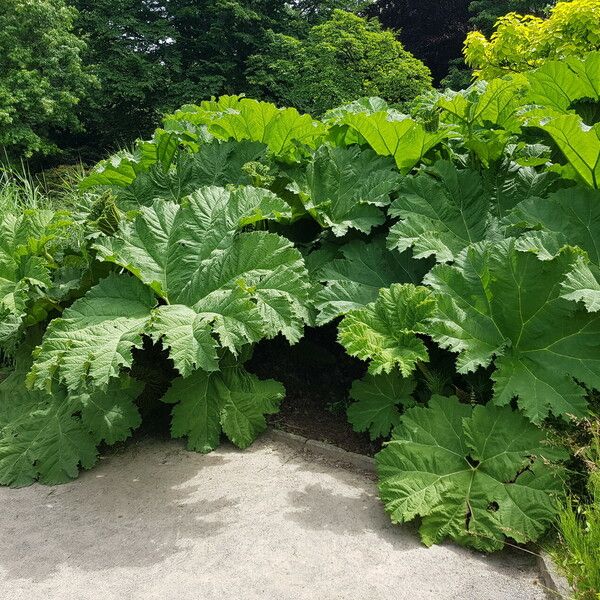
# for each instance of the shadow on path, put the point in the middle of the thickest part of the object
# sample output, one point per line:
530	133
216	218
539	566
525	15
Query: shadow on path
139	505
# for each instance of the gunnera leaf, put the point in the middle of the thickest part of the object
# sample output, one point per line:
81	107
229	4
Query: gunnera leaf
222	285
499	305
345	188
477	475
385	331
376	401
442	210
357	271
49	436
231	400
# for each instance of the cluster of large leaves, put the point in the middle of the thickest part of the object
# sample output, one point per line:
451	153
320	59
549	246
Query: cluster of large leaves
42	261
352	275
204	284
346	187
477	474
48	435
495	304
498	304
560	100
483	186
443	210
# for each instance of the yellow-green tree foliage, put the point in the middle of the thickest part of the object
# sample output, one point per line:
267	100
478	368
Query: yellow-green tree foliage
523	42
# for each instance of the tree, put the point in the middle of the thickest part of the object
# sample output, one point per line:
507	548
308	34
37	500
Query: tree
340	60
487	12
314	12
212	41
128	43
42	78
152	56
523	42
433	31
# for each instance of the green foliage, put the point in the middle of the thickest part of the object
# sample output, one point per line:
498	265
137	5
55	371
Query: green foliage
151	59
239	221
43	258
579	531
345	187
405	139
559	85
340	60
523	42
47	436
578	522
354	273
42	77
385	331
476	475
240	287
497	304
377	398
442	211
570	216
487	12
485	116
232	400
579	143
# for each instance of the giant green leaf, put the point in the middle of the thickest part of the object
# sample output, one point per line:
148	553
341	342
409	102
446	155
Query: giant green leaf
189	336
220	285
49	436
559	84
377	398
579	142
217	163
93	339
476	475
385	331
213	164
572	215
400	137
360	269
28	240
204	232
442	210
499	305
142	246
121	169
231	400
282	130
344	187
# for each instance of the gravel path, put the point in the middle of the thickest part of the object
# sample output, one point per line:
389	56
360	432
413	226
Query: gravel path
158	523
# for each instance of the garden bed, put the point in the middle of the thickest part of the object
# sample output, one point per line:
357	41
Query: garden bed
317	375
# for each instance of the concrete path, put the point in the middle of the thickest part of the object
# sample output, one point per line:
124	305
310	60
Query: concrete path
158	523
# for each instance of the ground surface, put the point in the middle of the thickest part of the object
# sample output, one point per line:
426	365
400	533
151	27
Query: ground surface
155	522
317	374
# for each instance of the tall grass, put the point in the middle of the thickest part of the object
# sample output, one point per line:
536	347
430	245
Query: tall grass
18	191
578	551
56	188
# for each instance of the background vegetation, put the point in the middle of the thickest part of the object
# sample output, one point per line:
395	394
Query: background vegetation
443	233
109	69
